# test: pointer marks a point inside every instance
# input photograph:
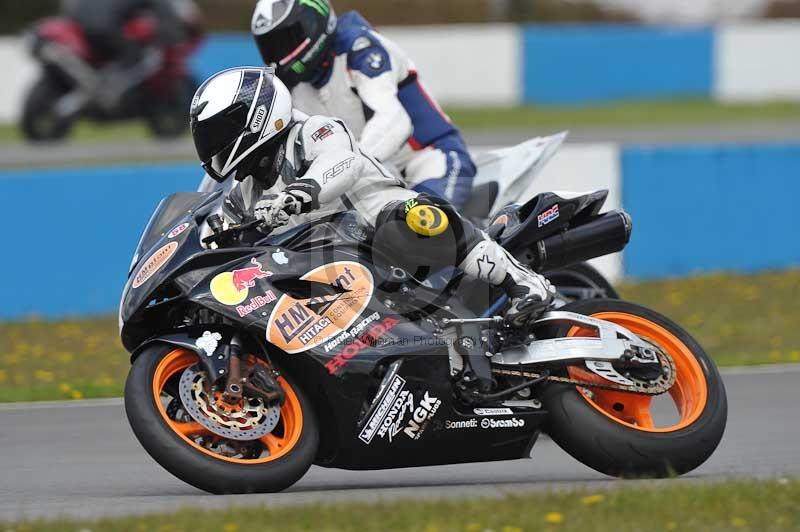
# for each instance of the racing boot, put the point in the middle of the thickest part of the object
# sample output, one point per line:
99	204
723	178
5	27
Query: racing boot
530	293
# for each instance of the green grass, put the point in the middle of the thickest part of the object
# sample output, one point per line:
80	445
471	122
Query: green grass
88	132
616	114
738	319
623	114
729	506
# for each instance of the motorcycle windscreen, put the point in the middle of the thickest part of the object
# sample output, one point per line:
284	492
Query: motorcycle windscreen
167	216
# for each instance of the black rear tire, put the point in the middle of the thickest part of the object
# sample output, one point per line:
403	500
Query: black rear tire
168	117
619	450
583	276
201	470
39	121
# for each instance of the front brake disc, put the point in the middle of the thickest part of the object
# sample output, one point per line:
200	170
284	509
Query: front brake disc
251	421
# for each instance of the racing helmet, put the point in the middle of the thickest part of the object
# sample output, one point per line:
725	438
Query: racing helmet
238	120
294	36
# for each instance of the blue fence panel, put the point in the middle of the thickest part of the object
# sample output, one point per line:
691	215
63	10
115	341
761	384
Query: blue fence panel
225	50
72	234
586	64
712	208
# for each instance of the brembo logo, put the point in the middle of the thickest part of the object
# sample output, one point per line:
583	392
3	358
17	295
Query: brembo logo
502	423
259	119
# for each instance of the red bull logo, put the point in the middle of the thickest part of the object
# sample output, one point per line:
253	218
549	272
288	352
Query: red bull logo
232	288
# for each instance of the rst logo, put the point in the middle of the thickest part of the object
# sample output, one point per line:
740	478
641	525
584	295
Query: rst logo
337	170
299	325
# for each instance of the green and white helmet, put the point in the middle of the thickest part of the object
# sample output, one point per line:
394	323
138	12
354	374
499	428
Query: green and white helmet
294	36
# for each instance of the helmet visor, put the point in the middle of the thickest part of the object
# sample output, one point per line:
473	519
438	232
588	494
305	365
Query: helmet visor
218	133
283	45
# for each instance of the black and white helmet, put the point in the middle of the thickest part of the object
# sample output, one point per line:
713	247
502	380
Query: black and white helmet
238	120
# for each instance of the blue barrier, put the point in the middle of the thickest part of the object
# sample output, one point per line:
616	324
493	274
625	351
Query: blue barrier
711	208
72	234
588	64
225	50
694	209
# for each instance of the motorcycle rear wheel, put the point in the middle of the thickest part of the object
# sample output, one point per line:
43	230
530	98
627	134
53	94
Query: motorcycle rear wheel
39	121
285	455
583	276
615	432
168	116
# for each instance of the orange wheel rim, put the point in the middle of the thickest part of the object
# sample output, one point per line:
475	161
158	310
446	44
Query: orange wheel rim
689	393
278	446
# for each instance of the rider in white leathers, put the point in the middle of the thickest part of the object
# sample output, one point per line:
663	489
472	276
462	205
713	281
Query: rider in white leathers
344	68
292	169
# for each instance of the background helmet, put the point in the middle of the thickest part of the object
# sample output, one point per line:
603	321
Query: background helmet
294	36
238	120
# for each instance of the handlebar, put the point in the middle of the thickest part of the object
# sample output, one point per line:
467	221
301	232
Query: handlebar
224	236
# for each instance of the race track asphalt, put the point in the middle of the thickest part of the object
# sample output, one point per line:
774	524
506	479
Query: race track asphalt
81	460
20	156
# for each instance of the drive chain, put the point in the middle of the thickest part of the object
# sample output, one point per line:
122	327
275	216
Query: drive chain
656	387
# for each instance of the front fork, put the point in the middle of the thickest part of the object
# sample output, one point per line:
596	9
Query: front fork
256	381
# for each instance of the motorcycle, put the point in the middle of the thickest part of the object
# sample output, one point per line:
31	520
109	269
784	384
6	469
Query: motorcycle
254	357
78	82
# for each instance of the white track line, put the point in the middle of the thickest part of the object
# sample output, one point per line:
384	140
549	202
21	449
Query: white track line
771	369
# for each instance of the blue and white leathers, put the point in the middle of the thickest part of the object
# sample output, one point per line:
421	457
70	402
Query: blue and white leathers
374	88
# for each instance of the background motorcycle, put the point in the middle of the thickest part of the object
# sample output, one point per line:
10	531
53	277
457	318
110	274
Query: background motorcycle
73	84
256	357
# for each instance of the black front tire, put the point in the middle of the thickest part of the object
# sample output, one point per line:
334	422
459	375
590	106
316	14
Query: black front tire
618	450
39	120
201	470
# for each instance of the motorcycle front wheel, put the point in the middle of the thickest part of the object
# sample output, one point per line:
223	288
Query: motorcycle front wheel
194	454
40	122
633	435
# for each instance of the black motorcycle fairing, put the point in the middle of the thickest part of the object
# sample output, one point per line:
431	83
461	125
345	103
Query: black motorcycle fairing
345	228
214	363
548	213
342	371
170	213
347	397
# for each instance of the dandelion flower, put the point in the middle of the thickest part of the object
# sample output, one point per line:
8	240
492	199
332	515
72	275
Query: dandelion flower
554	518
593	499
738	522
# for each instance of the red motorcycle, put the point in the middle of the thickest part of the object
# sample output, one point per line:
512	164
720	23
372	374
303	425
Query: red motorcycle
77	82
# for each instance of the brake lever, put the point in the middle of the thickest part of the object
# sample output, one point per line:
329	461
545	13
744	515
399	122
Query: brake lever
230	233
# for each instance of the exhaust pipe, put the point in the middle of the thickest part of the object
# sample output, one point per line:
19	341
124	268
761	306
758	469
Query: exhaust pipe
606	234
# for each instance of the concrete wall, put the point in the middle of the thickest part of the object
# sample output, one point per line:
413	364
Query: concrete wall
758	61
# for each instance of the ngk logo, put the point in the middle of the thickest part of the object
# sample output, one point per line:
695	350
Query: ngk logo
422	415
